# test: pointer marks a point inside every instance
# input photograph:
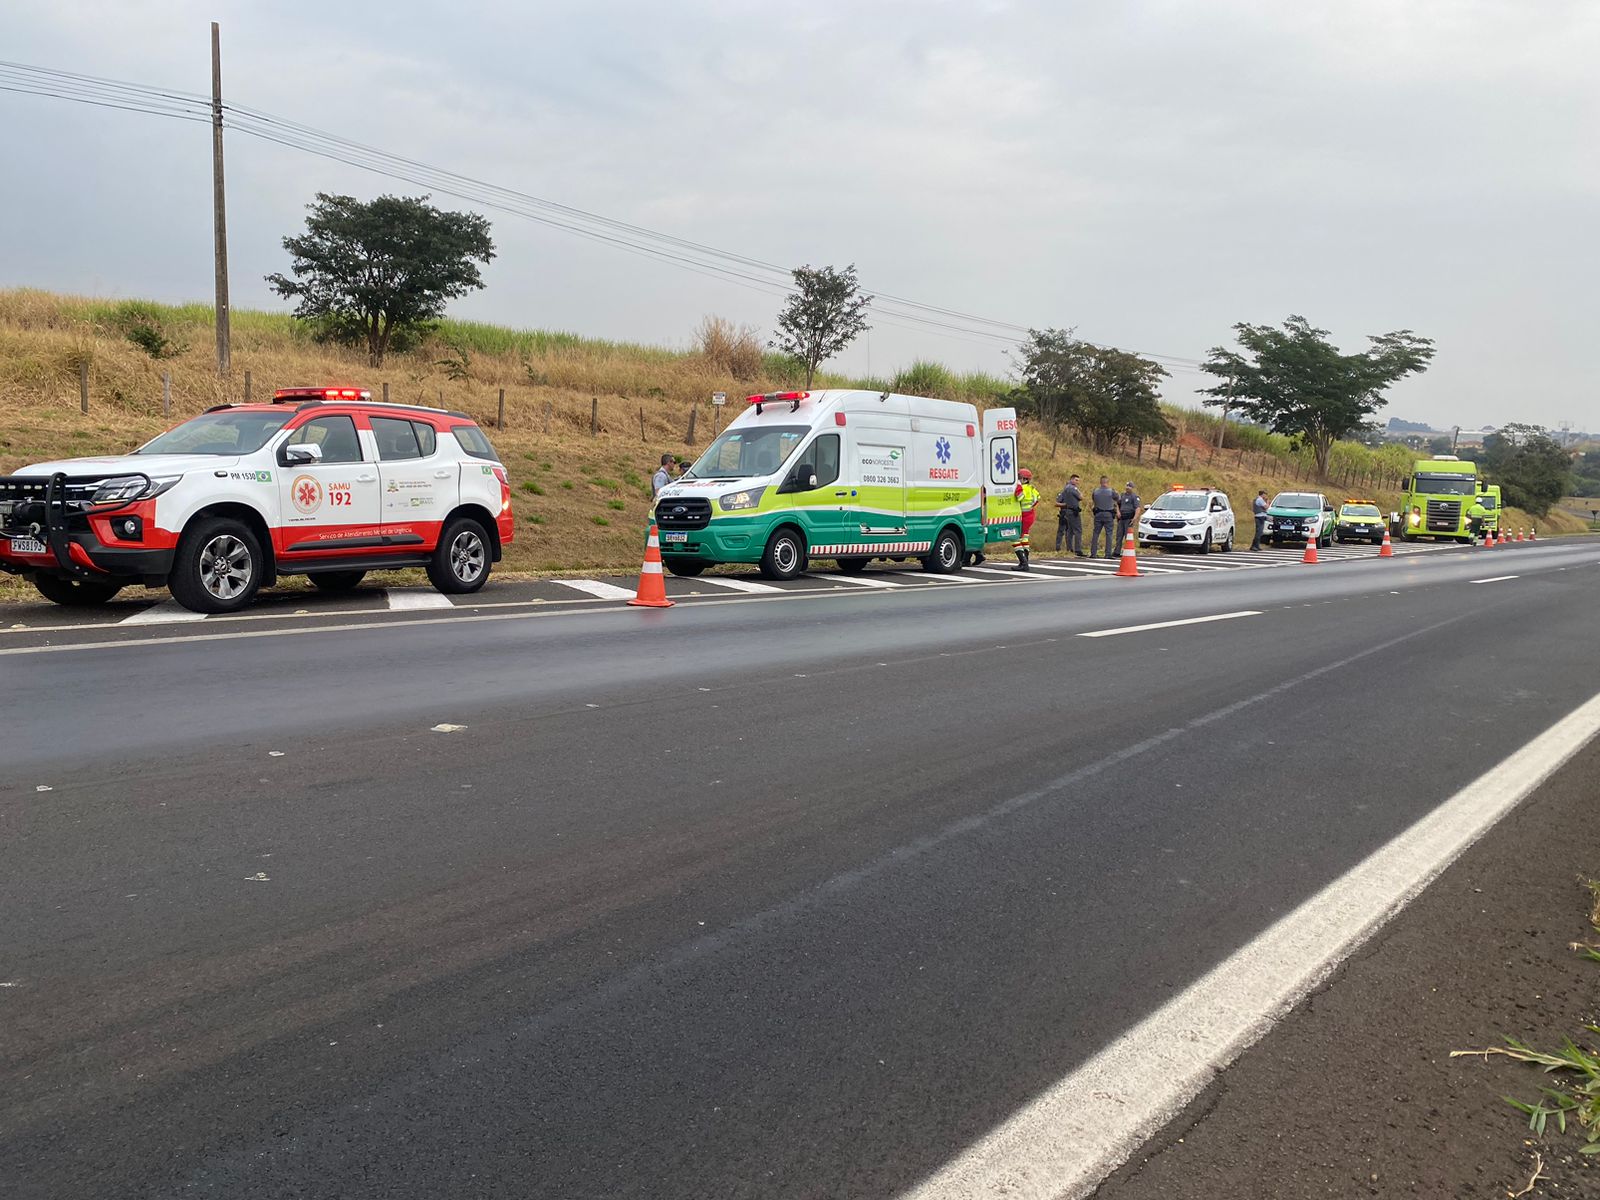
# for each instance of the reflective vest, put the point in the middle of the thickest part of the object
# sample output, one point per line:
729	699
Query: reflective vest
1028	496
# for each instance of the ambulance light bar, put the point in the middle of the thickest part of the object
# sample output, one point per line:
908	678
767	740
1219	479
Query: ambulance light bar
793	398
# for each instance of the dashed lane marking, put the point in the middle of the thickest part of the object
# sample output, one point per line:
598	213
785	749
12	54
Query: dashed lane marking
407	600
168	612
1100	633
1495	579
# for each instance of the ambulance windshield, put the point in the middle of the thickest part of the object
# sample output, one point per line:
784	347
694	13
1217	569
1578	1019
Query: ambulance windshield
748	451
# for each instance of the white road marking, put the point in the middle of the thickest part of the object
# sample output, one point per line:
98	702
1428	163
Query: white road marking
1495	579
168	612
738	585
447	728
605	591
1099	633
859	580
405	601
1066	1140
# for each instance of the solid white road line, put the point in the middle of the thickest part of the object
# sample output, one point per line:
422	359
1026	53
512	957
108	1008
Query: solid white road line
1495	579
405	601
737	585
859	580
606	591
168	612
1099	633
1070	1137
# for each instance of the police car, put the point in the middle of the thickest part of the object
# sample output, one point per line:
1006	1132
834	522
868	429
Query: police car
1198	518
321	482
1359	521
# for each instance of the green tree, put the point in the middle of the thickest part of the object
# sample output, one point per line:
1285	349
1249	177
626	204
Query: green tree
824	314
1297	383
372	272
1531	467
1104	393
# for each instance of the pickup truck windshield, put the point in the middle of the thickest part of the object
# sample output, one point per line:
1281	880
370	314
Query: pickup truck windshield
1298	500
219	433
746	452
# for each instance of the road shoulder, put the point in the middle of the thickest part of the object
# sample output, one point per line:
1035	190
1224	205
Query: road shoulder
1355	1093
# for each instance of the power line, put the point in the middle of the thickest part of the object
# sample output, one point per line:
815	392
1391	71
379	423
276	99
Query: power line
686	254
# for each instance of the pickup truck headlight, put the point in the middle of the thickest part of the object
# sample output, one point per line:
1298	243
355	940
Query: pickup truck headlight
124	488
734	501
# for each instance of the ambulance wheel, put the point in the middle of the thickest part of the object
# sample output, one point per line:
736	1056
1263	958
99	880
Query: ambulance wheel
785	555
74	593
946	555
685	567
854	565
460	562
336	581
217	568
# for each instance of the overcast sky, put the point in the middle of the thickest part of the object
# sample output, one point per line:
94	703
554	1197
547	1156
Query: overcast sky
1148	172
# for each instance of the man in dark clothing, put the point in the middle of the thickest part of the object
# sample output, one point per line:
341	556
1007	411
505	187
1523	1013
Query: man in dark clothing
1104	502
1259	507
1069	517
1128	505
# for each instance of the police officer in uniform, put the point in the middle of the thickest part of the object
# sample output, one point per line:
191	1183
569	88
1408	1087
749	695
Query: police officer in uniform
1104	501
1069	517
1128	505
1028	498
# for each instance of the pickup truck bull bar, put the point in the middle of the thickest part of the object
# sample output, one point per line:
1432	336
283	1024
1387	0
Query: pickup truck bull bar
43	506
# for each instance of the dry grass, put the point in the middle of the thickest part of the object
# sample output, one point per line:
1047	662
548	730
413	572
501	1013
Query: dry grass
582	501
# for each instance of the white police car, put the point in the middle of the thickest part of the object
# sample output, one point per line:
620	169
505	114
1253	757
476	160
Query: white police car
1195	518
321	481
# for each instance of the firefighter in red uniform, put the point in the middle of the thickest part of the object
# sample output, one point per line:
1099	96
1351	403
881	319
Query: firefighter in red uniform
1028	497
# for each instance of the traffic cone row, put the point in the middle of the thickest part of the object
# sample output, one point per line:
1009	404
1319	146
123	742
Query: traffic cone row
1128	568
652	586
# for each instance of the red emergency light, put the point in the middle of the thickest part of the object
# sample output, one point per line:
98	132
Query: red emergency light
793	399
320	393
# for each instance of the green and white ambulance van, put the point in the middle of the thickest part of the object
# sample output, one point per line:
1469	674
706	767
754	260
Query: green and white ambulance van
846	475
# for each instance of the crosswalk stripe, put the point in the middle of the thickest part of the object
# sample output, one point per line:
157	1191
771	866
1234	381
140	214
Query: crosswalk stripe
606	591
168	612
738	585
858	580
408	600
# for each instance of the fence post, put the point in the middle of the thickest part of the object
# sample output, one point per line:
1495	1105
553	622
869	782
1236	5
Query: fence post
594	416
643	437
547	407
500	414
694	413
83	385
386	392
1138	453
1160	446
247	388
1177	453
166	393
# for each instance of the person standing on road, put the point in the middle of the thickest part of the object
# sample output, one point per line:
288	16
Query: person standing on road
1069	517
1028	498
1128	505
1258	508
663	476
1476	516
1104	502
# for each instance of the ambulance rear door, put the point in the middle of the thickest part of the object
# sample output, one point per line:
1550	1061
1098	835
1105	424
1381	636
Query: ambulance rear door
1002	514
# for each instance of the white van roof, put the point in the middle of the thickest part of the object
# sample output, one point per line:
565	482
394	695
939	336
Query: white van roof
785	407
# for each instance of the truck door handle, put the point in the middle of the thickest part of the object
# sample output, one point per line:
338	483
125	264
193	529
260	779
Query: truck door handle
841	493
441	474
366	478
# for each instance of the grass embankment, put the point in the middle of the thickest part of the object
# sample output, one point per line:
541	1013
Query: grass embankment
581	499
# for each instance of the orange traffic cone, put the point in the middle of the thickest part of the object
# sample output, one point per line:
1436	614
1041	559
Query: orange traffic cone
1311	548
1519	535
1488	540
652	587
1388	548
1128	568
1533	535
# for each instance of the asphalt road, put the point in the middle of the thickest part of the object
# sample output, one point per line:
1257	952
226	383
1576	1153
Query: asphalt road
757	896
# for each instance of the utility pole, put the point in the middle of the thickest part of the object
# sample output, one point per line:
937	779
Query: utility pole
219	207
1454	438
1227	404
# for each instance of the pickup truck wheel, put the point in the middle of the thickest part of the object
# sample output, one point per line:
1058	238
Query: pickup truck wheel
74	593
785	555
217	568
336	581
460	562
685	567
945	557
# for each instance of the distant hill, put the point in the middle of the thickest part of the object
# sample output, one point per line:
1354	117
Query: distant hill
1396	425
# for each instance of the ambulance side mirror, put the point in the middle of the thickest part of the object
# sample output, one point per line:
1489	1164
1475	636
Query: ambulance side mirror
800	481
301	454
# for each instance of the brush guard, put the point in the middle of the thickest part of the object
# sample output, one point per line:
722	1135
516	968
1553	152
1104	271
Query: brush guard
44	507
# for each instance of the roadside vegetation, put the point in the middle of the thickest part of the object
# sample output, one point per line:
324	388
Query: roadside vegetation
585	419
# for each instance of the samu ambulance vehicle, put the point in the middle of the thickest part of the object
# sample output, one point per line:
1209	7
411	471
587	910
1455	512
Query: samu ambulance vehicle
846	475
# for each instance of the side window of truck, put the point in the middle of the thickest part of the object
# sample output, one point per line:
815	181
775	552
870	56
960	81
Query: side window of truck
336	435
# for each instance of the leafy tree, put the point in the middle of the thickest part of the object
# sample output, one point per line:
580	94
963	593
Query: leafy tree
1297	383
372	272
824	314
1104	393
1531	467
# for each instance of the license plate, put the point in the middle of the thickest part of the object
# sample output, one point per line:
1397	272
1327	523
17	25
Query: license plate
674	537
27	545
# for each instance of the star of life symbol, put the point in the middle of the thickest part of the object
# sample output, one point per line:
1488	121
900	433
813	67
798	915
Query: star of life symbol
1002	461
941	450
307	494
